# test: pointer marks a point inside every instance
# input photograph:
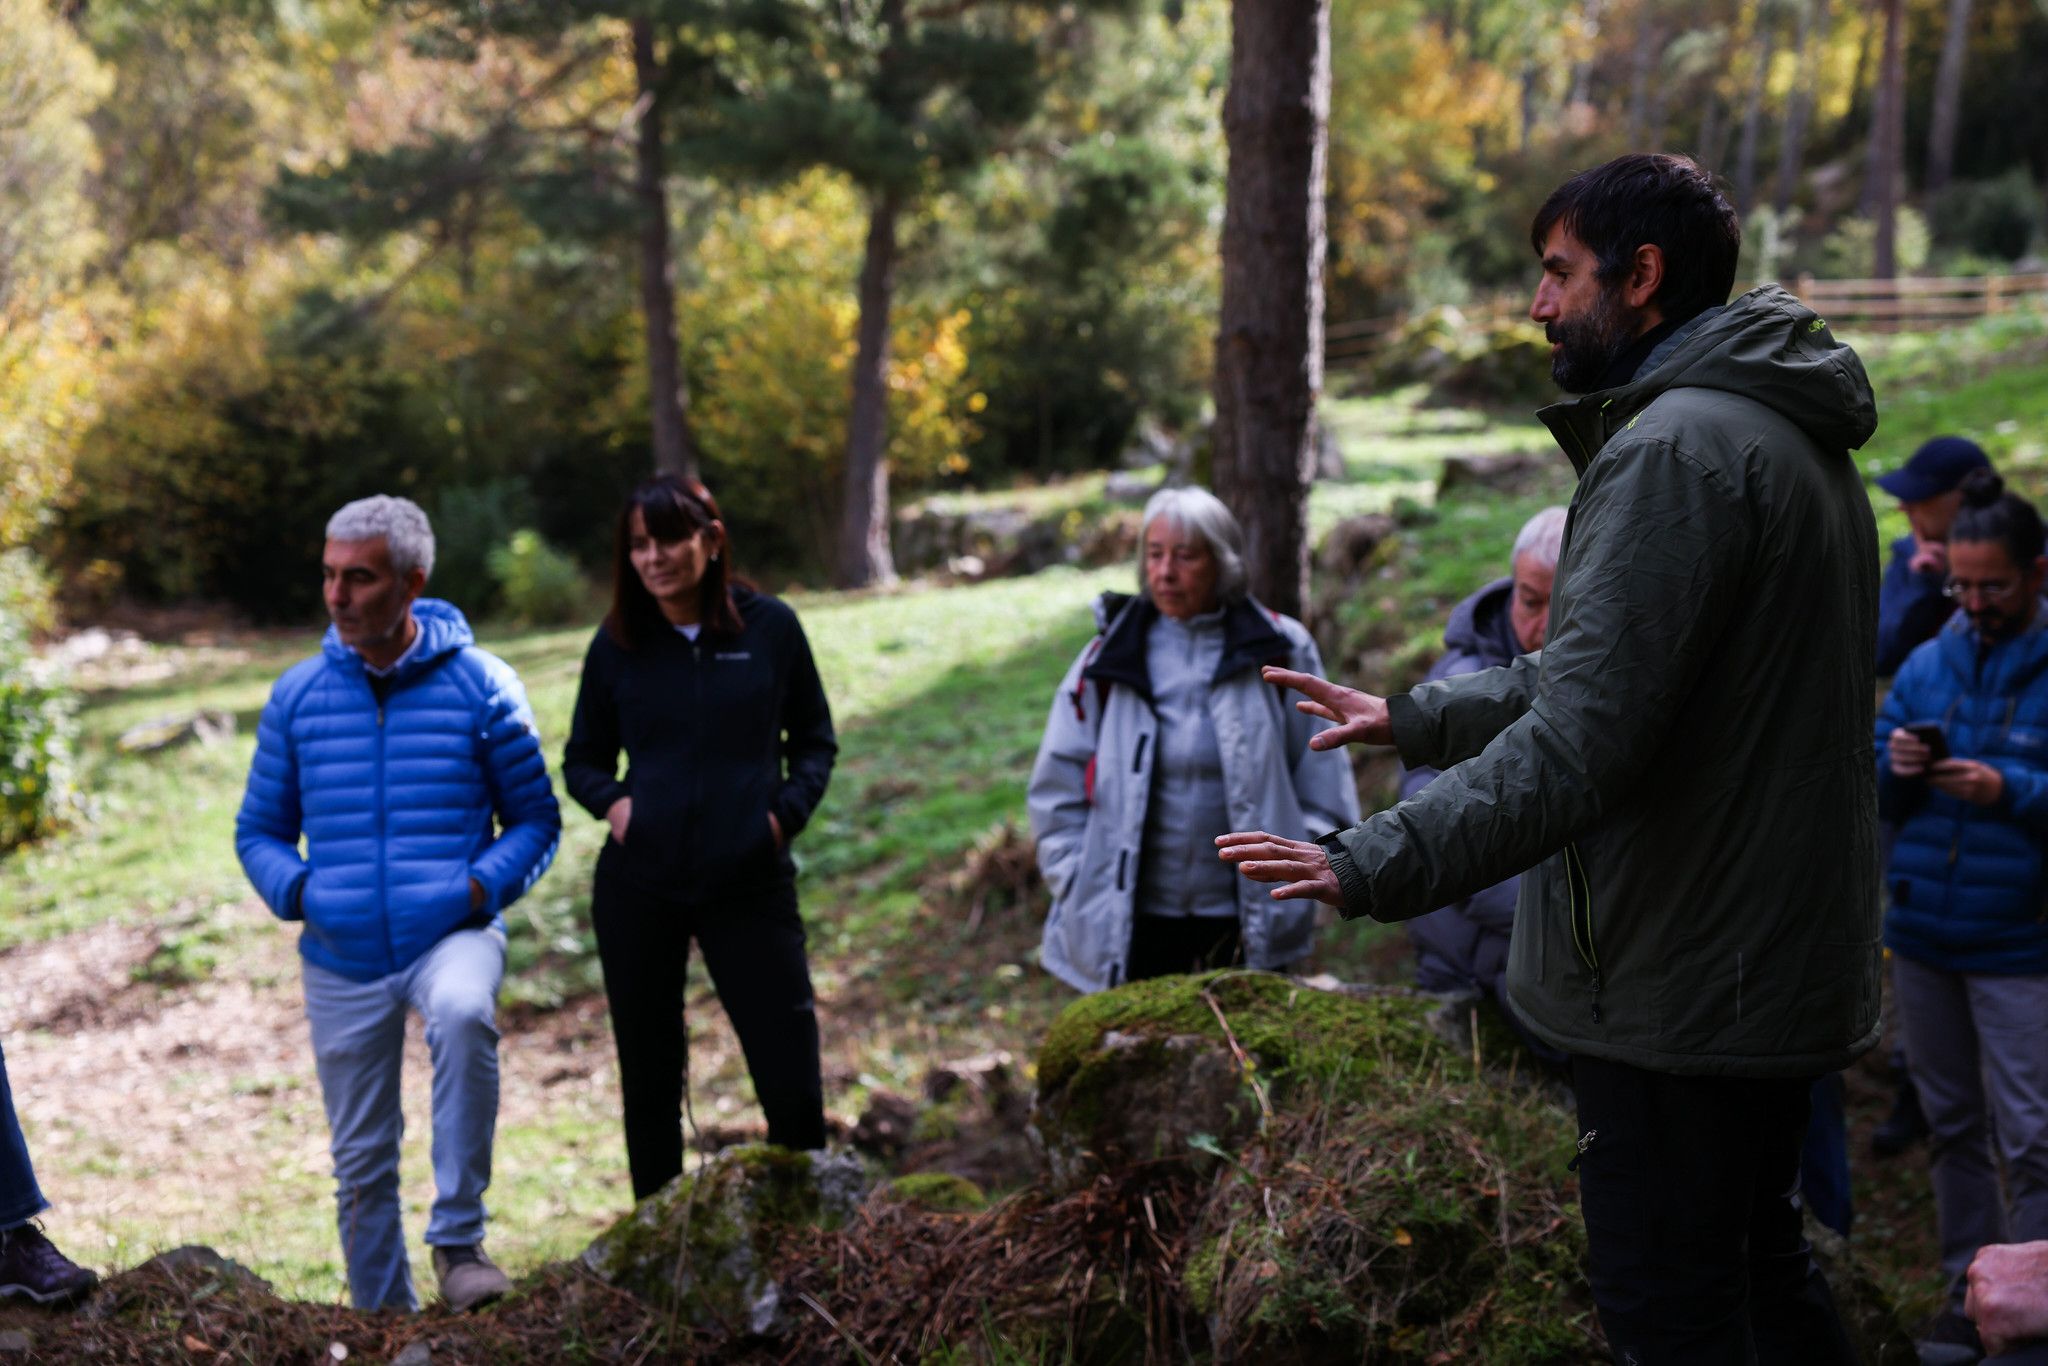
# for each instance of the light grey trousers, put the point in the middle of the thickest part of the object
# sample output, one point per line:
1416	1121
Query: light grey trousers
1977	1047
358	1044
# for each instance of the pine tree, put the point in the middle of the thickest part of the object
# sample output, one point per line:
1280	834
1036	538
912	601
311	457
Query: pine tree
1269	348
591	171
905	99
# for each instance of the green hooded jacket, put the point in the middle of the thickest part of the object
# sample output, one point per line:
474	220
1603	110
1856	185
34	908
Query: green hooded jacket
1686	765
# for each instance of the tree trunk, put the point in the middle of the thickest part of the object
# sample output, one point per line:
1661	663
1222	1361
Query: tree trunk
1714	131
1813	40
1948	96
1888	142
1642	64
864	556
1766	44
1269	347
1866	101
667	395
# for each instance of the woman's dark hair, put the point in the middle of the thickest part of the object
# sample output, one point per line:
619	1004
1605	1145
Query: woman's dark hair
673	509
1990	513
1651	199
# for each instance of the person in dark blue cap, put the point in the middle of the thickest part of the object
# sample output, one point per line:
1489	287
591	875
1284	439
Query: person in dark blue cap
1910	605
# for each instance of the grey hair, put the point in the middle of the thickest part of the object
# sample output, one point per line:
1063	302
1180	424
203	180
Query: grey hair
1202	513
407	533
1542	538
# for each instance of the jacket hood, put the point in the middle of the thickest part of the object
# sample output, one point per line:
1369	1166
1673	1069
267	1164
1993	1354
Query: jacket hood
1479	624
1122	621
443	631
1765	346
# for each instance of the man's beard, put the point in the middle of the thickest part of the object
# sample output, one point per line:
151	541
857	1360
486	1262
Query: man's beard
1590	343
1995	623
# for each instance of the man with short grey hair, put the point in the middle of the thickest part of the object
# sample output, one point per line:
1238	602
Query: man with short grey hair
408	760
1462	947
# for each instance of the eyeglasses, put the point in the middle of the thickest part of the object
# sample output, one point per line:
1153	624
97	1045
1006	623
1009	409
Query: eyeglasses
1955	590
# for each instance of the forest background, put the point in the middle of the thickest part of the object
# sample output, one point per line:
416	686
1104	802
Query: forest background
261	256
258	257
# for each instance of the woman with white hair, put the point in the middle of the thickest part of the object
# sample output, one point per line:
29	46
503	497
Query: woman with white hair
1162	737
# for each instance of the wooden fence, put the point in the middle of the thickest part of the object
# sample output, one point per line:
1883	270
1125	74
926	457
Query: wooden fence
1919	301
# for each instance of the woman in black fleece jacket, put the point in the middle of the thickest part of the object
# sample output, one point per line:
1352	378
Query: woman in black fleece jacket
709	688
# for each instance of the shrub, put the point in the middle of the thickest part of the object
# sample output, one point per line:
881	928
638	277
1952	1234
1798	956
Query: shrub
1989	218
539	584
36	729
470	525
1850	251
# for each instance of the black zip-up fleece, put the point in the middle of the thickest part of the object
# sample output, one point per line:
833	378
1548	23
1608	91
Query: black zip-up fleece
718	732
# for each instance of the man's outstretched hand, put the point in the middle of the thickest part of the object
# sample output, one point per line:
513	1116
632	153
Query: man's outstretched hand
1361	718
1303	869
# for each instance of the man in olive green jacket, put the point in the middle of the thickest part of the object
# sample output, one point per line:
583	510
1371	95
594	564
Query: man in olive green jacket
1686	765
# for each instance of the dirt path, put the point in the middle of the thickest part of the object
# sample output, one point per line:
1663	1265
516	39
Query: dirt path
160	1115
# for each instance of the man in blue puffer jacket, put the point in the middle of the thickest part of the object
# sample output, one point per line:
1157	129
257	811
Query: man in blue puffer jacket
1968	923
408	760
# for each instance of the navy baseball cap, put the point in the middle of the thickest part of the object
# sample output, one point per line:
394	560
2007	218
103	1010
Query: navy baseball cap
1937	467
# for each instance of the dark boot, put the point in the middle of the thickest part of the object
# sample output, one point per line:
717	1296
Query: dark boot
1904	1126
32	1268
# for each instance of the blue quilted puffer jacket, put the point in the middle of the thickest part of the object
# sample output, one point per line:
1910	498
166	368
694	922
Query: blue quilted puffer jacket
400	804
1967	885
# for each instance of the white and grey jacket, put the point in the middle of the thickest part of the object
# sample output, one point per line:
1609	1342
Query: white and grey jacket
1091	786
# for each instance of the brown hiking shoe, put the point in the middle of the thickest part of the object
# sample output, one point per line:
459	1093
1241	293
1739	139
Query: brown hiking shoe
469	1280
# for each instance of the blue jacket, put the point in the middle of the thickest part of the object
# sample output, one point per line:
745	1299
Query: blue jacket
396	802
1910	607
1464	946
1966	881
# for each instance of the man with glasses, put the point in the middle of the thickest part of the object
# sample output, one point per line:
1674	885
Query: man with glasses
1912	604
1963	775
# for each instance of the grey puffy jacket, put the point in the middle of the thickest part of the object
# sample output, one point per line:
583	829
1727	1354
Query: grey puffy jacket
1092	782
1464	946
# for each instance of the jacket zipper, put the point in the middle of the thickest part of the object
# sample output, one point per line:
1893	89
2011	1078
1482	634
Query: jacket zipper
383	850
696	766
1582	918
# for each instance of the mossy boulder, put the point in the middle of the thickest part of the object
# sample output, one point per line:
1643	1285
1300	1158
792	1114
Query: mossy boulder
703	1245
1177	1067
938	1193
1431	1222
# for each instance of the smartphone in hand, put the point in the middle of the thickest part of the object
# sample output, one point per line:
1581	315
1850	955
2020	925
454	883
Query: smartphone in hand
1929	734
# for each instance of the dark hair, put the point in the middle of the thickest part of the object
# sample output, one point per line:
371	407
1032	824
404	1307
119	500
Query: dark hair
1990	513
673	509
1651	199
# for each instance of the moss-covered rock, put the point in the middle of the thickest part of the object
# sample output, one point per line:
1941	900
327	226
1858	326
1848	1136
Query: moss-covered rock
938	1193
703	1244
1135	1074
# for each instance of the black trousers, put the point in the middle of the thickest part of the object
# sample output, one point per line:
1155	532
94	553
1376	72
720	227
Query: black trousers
1690	1187
1165	944
753	946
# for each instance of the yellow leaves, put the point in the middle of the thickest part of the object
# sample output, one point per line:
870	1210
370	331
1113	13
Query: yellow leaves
49	85
772	328
1403	1238
48	360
